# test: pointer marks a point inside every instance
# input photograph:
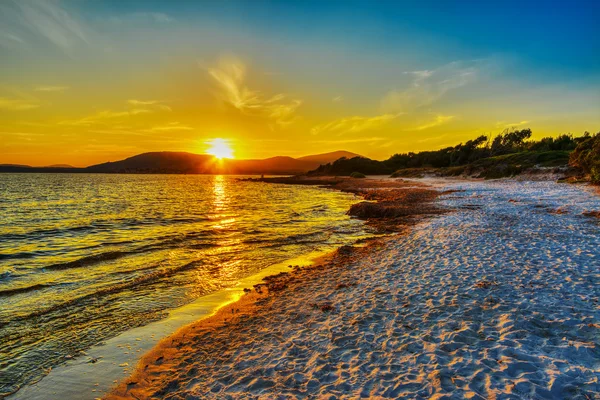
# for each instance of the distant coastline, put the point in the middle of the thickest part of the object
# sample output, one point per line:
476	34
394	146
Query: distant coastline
509	154
168	162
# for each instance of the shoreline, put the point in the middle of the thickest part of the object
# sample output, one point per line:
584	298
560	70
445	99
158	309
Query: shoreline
96	368
384	207
458	305
117	355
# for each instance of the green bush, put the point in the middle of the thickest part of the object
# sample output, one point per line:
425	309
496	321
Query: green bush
357	175
586	156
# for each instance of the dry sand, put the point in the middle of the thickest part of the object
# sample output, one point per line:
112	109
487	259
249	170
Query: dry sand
498	299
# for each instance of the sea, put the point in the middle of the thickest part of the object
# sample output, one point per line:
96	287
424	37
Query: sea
86	257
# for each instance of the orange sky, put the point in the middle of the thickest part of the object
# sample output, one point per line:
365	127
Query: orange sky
82	86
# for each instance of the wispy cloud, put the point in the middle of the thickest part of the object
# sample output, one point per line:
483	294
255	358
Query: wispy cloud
150	103
428	86
138	107
171	126
17	104
51	88
10	40
438	120
353	124
502	124
103	116
337	99
153	17
430	139
48	20
230	75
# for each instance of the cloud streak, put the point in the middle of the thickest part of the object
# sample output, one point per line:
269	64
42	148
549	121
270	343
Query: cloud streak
139	107
171	126
230	76
51	88
502	124
353	124
439	120
16	104
103	116
152	17
28	19
159	105
428	86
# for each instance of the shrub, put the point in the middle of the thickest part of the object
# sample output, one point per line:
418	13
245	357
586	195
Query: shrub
586	156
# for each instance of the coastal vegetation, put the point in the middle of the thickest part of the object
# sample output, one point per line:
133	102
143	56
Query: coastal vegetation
507	154
586	156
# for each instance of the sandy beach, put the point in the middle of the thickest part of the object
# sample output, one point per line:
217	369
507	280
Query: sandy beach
498	298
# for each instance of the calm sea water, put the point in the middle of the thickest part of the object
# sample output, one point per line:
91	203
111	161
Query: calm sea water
85	257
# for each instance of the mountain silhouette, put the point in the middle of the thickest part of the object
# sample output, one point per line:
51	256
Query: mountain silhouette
168	162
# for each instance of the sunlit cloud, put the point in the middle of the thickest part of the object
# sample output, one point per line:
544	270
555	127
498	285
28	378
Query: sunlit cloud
230	75
431	139
45	19
502	124
138	107
51	88
171	126
103	116
16	104
149	103
353	124
439	120
337	99
428	86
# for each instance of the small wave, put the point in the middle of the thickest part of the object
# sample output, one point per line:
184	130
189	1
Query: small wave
8	237
98	225
26	289
141	280
20	256
301	237
89	260
6	275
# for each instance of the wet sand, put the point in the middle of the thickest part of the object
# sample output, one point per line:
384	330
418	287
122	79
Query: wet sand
497	299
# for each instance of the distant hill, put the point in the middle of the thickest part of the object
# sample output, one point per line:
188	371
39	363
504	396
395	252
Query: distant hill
59	166
15	165
326	158
169	162
158	162
280	165
189	163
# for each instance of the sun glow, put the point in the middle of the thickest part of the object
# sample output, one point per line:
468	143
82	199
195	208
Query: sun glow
219	148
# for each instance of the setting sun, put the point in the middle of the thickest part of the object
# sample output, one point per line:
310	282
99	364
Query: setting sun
219	148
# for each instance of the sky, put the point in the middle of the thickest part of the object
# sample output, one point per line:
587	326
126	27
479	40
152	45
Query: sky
90	81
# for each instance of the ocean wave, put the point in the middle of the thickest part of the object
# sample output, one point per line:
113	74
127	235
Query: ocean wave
89	260
138	281
112	224
20	290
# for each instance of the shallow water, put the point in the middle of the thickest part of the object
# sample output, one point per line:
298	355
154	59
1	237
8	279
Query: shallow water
86	257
